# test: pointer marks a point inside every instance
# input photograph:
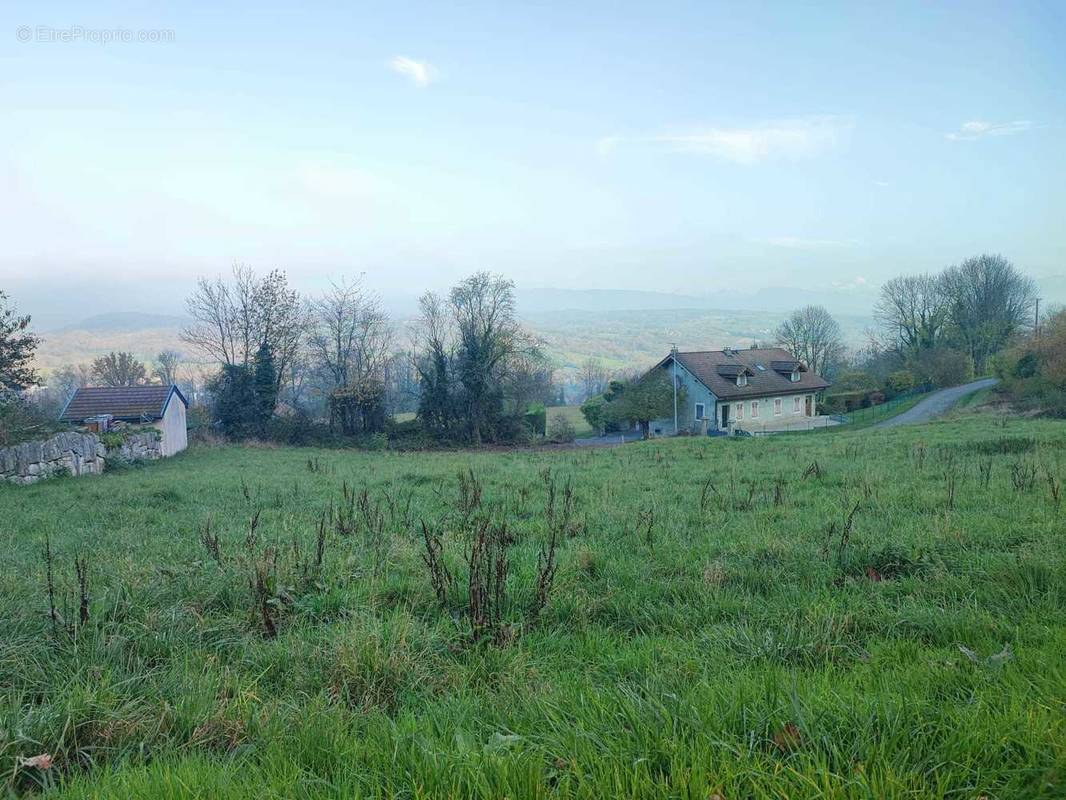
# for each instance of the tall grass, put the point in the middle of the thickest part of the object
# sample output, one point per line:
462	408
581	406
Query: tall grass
877	614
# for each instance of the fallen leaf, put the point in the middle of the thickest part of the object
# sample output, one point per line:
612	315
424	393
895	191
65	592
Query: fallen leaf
788	738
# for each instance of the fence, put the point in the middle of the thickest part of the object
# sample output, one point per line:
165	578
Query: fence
819	423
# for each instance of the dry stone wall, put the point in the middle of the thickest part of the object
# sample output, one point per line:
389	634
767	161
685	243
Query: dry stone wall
72	453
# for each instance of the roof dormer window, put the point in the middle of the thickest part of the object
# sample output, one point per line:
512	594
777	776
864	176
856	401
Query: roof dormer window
795	376
742	379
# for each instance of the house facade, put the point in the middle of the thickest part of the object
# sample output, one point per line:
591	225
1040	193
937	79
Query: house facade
160	407
760	387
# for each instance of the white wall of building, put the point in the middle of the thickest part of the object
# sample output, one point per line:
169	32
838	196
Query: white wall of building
174	427
792	406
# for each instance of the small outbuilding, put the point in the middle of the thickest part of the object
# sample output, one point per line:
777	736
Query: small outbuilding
161	407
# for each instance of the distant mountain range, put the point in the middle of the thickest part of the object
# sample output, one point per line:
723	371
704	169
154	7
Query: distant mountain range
777	299
620	326
125	321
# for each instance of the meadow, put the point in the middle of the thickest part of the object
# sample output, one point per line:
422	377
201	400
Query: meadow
572	415
844	615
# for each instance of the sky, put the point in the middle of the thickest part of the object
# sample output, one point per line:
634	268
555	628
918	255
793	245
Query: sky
684	147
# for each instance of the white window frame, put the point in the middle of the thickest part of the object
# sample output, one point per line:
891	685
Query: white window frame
742	379
754	409
777	406
797	405
739	409
699	411
795	376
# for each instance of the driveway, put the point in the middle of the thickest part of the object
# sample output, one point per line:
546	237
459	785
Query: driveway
608	440
935	404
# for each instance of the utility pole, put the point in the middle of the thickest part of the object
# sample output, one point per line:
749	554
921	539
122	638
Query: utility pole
673	354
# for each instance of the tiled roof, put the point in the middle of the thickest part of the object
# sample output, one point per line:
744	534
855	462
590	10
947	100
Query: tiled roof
768	369
130	403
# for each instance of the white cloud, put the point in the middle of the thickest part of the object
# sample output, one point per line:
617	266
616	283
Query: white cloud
882	184
855	284
420	73
978	129
783	139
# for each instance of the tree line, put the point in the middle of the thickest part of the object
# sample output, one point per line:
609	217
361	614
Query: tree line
931	329
470	371
472	374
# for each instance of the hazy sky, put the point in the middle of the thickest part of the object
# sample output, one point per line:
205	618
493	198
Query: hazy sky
681	146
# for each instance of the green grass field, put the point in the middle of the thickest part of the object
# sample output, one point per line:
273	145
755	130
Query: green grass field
716	629
573	415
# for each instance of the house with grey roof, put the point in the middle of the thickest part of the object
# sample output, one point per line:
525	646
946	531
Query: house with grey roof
160	407
760	388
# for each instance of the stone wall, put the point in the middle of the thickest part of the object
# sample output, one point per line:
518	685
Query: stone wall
72	453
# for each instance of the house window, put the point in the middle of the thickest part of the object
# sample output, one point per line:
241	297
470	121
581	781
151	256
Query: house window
740	410
754	409
777	406
699	410
742	379
795	376
796	404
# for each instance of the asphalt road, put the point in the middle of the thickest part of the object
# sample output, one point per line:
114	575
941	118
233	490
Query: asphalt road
935	404
608	440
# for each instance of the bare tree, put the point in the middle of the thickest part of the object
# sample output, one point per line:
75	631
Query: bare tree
473	352
401	381
280	320
434	340
217	331
913	312
813	336
119	369
351	337
233	319
166	366
593	378
988	301
69	378
489	335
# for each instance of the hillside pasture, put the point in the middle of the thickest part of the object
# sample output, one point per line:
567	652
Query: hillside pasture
867	614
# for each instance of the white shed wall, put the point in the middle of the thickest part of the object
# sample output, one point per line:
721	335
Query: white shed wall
174	428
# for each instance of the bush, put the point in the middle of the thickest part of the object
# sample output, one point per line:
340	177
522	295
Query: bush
561	431
899	382
943	366
112	439
854	380
236	407
536	417
595	413
21	421
117	463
